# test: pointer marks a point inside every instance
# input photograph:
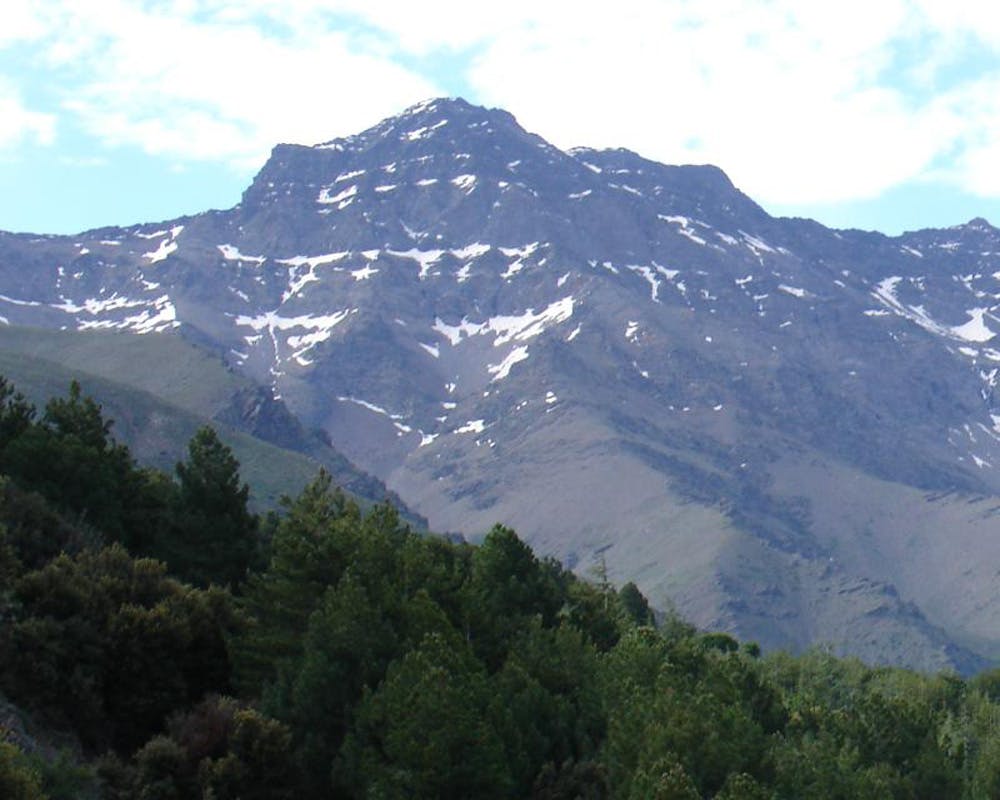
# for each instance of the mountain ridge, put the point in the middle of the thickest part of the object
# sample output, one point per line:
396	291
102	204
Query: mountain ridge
626	361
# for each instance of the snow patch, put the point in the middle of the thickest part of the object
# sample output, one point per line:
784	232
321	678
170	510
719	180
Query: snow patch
650	274
403	429
232	253
975	330
794	291
298	278
519	252
422	133
167	246
508	328
472	426
319	328
512	269
346	176
473	250
465	182
156	315
502	370
95	306
16	302
755	244
313	261
364	273
425	258
529	324
340	198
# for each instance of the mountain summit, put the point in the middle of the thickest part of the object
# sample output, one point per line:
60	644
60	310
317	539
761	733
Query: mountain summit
785	431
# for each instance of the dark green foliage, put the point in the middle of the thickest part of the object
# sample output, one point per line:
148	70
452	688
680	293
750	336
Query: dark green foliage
215	535
220	750
162	771
35	533
663	779
109	645
548	688
740	786
572	781
16	415
68	463
508	586
348	647
722	642
71	459
634	605
257	764
426	732
309	552
370	662
18	781
65	778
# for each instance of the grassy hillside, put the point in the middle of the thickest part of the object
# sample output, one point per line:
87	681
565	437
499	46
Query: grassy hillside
165	365
156	431
160	389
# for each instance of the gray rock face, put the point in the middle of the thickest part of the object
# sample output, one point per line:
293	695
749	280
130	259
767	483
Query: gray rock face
785	431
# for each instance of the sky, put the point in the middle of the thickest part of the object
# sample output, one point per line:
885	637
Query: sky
882	114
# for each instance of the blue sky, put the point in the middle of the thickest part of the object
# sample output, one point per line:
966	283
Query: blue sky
883	114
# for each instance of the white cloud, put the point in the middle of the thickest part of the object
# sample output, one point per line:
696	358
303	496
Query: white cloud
18	123
976	164
178	86
23	21
790	98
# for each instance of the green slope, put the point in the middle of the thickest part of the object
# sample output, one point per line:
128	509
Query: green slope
190	378
185	378
165	365
157	432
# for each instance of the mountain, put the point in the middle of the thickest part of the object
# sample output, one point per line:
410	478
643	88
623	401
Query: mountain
784	431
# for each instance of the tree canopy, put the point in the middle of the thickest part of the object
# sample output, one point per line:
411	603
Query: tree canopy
345	655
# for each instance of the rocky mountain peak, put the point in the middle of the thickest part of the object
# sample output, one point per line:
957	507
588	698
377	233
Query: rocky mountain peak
429	125
980	224
615	356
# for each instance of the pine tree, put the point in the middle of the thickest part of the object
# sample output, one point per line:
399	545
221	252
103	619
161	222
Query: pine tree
215	535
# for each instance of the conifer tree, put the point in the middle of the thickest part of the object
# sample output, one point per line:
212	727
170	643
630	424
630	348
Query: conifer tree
216	534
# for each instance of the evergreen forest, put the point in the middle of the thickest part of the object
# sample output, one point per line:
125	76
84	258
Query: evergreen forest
160	640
